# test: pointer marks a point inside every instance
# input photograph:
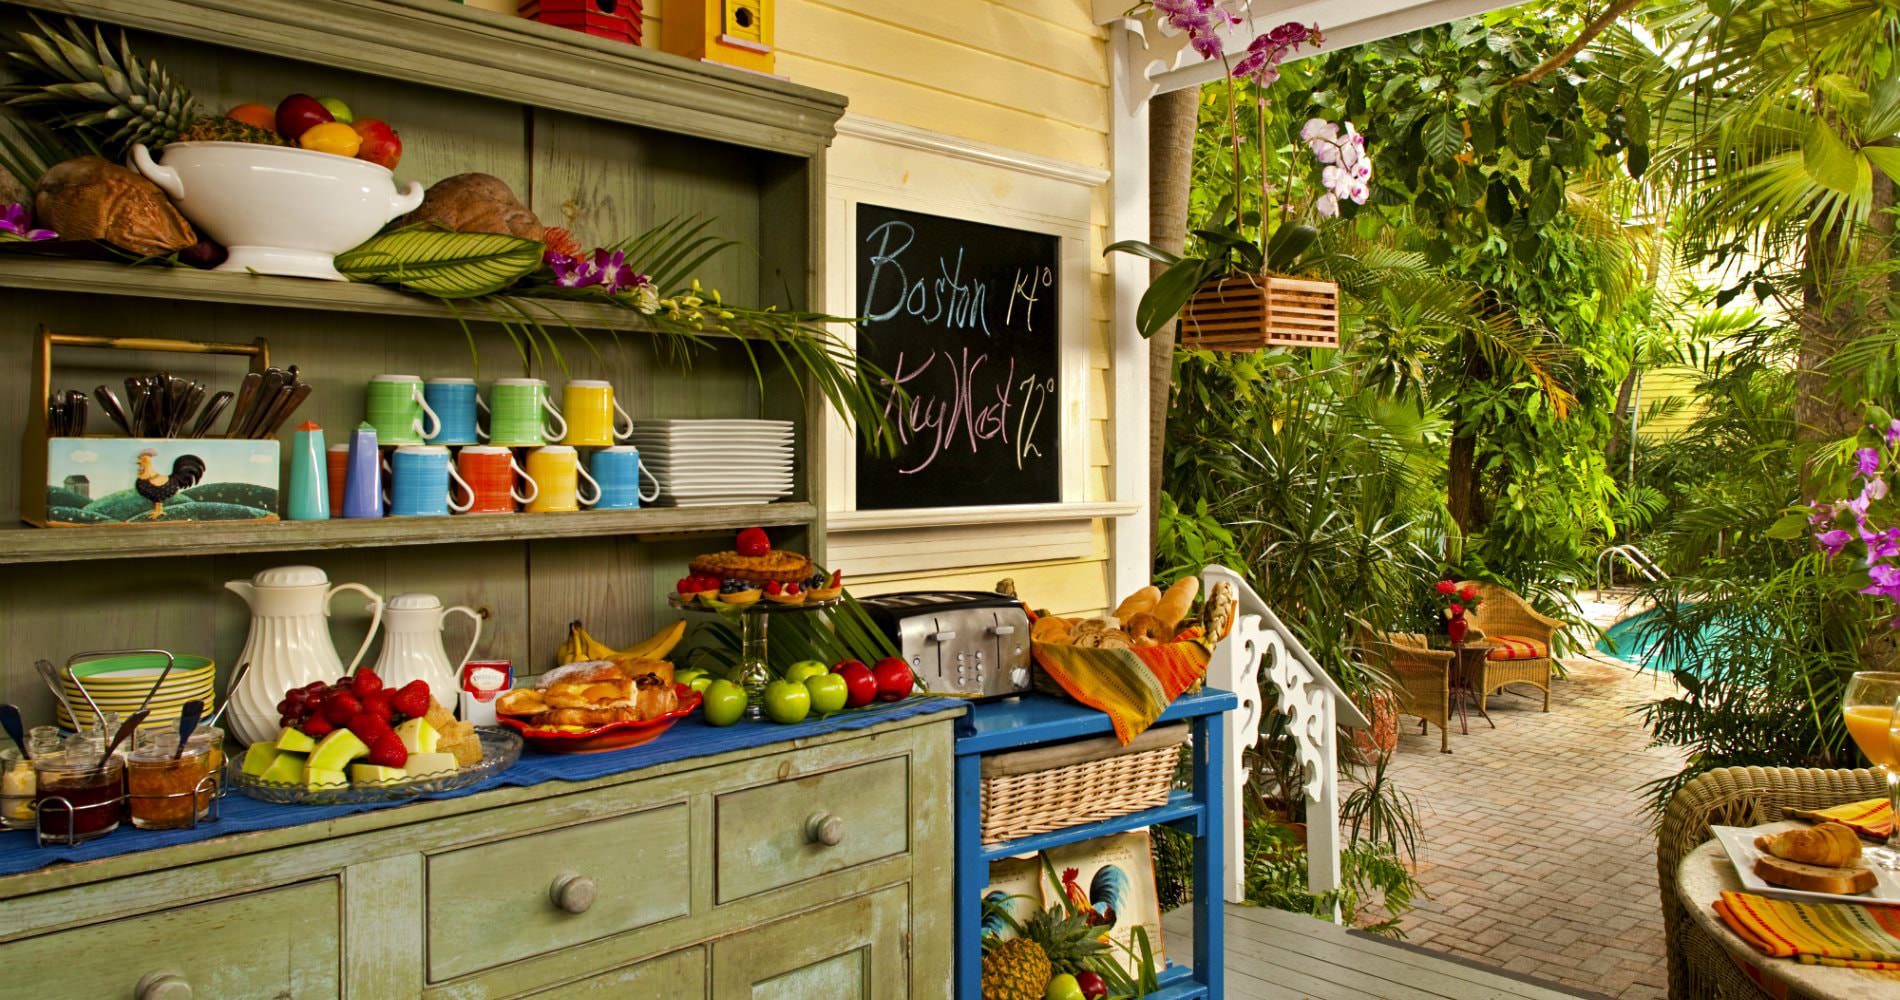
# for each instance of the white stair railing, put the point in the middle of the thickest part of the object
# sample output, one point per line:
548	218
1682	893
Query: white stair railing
1639	560
1260	647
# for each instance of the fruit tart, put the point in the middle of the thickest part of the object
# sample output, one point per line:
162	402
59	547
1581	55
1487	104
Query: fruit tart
737	593
753	560
784	593
825	588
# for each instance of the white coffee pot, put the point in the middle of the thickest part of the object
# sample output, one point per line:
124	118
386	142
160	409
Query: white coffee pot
289	643
412	646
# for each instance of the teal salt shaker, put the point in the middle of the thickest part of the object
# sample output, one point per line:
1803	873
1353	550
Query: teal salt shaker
309	498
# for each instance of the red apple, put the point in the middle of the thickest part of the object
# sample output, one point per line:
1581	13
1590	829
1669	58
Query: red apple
894	679
860	686
381	145
297	113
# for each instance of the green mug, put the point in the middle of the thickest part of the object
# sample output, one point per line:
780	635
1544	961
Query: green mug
396	409
516	407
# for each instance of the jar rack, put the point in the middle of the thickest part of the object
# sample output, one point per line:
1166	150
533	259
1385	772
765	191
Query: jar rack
210	788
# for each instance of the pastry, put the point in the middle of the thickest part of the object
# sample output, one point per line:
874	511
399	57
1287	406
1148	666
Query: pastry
1217	613
823	588
1814	878
1829	845
1174	605
1049	626
598	694
1139	602
738	593
753	559
1149	628
784	593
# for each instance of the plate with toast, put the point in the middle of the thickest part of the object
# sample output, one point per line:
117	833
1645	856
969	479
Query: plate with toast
1816	864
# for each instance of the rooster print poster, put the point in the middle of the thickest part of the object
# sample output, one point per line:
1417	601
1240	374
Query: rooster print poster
1114	878
137	480
1015	890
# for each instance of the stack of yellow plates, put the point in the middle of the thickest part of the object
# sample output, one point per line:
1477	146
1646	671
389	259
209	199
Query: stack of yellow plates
120	683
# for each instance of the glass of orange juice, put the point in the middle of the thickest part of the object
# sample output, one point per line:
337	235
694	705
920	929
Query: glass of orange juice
1871	708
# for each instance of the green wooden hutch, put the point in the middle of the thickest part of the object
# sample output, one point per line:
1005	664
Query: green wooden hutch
697	878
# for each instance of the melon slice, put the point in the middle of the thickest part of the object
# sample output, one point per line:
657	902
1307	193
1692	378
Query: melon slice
259	758
316	778
429	763
374	774
418	736
335	751
285	769
295	740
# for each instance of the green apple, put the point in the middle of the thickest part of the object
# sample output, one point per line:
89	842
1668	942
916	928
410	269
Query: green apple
259	758
420	764
725	703
1063	987
374	774
829	693
335	751
338	110
798	672
417	735
317	778
701	683
787	702
295	740
687	675
287	769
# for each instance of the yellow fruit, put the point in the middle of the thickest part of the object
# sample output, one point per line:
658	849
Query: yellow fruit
579	647
331	137
657	645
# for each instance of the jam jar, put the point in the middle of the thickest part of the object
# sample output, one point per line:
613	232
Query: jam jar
212	739
77	799
18	780
166	789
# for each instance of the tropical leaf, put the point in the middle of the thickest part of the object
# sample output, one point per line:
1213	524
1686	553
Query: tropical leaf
442	264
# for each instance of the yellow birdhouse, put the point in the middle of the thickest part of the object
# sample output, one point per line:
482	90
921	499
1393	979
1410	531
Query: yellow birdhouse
733	32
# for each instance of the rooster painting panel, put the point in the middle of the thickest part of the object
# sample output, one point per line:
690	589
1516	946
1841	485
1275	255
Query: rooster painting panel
145	480
1113	879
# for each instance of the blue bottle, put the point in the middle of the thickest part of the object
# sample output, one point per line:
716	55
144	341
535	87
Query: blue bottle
363	487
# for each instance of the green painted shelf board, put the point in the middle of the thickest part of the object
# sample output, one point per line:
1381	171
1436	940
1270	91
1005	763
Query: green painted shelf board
39	545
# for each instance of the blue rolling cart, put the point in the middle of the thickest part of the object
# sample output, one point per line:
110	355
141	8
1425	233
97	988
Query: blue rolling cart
1036	719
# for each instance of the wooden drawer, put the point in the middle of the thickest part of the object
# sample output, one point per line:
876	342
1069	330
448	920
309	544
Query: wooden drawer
276	943
852	950
775	835
678	976
496	903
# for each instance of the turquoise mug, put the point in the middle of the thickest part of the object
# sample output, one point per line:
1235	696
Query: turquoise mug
455	401
617	470
520	414
396	408
419	478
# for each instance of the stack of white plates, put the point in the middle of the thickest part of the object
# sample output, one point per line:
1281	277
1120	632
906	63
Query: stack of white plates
121	683
705	463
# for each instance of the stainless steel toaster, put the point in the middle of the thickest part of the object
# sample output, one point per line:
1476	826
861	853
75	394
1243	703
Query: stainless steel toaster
959	642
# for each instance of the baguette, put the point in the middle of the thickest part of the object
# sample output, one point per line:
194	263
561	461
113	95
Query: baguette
1174	605
1140	602
1814	878
1827	845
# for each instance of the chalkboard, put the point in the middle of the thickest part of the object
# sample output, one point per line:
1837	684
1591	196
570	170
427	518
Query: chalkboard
964	317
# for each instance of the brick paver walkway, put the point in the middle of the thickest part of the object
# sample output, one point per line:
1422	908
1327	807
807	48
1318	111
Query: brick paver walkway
1536	851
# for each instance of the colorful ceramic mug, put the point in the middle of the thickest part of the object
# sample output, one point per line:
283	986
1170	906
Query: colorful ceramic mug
556	472
419	482
593	416
490	472
398	412
517	407
337	459
617	470
455	401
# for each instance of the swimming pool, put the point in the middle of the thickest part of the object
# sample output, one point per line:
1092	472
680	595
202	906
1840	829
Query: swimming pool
1636	640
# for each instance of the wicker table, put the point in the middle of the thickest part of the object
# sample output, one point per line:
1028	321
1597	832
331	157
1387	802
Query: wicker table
1701	879
1467	674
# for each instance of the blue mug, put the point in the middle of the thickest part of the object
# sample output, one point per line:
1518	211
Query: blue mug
617	470
455	402
419	478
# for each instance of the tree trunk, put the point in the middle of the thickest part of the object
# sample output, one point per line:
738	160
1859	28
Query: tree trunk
1462	495
1171	120
1834	312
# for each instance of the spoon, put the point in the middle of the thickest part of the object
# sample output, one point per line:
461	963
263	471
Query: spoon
187	721
10	721
237	677
126	728
50	674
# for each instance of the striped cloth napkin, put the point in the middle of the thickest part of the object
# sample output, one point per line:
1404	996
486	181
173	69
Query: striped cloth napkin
1845	934
1872	818
1134	686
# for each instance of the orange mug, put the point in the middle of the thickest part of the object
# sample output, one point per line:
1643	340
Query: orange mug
490	472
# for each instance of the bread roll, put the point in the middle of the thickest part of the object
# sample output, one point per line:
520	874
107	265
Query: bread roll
1150	628
1829	845
1140	602
1174	605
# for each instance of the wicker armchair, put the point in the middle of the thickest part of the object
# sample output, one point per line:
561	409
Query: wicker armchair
1699	967
1503	614
1423	676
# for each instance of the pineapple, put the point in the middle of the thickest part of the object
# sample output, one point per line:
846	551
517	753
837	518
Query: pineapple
1068	942
1016	969
77	80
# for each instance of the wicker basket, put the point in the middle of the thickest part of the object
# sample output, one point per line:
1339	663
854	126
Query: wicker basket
1248	312
1070	784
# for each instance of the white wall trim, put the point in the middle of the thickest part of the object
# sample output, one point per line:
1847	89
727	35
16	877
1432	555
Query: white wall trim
1131	550
937	517
926	140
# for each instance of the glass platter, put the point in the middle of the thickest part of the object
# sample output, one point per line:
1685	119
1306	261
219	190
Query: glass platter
500	750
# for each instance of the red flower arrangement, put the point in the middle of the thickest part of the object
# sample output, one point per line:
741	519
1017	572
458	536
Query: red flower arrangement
1460	600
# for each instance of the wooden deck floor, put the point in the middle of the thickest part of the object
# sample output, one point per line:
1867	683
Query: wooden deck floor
1273	955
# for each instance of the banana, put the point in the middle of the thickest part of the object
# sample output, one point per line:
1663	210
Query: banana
657	645
580	647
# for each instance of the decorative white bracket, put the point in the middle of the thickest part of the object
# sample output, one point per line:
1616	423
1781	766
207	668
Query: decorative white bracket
1261	648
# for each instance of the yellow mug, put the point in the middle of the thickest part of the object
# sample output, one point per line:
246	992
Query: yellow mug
555	470
593	416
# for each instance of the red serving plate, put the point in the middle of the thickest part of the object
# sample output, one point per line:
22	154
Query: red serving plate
612	736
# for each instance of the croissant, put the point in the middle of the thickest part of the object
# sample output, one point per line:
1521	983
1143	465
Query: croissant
1829	845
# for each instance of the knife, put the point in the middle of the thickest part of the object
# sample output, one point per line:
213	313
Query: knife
246	392
110	403
75	413
267	394
135	396
210	414
293	398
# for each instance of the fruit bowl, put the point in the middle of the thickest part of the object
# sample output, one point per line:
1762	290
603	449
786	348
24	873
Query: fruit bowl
278	210
613	736
500	750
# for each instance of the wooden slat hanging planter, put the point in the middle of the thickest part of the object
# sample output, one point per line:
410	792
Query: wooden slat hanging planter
1248	312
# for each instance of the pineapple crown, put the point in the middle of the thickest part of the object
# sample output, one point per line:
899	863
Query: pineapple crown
76	80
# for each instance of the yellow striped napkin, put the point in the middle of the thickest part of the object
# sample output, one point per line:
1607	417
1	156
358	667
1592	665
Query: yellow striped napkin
1872	818
1847	934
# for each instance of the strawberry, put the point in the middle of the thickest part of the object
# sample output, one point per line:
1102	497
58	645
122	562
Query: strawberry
317	726
387	750
341	707
377	703
753	542
791	588
837	579
369	727
774	587
365	682
686	585
412	701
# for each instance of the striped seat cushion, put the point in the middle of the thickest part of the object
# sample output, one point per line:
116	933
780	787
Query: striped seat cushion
1516	647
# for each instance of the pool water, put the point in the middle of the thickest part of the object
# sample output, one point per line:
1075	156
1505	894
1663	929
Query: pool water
1636	640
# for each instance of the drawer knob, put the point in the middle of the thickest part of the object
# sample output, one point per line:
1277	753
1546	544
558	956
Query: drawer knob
573	893
824	828
162	986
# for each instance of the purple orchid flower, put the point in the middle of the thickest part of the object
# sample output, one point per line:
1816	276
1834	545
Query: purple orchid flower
570	272
1885	581
1834	540
14	220
1893	433
611	271
1867	460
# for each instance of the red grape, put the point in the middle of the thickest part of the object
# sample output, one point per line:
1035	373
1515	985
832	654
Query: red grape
314	687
